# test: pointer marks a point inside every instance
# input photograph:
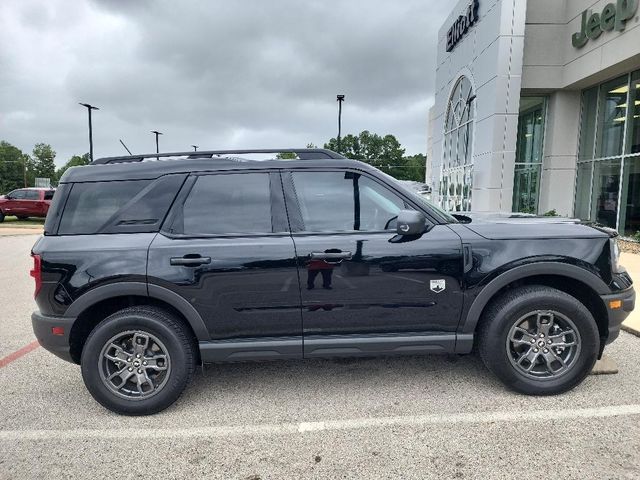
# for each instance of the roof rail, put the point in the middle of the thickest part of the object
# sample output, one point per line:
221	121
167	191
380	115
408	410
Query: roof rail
303	154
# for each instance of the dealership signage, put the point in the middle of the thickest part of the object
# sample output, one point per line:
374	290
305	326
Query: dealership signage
613	16
462	25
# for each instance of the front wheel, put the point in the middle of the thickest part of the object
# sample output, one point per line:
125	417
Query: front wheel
539	340
138	361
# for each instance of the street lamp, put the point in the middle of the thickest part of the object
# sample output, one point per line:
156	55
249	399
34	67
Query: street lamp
195	148
89	108
340	99
157	133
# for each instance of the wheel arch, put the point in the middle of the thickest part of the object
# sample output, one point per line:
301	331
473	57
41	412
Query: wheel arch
95	305
575	281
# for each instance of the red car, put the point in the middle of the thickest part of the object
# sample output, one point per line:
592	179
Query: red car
26	202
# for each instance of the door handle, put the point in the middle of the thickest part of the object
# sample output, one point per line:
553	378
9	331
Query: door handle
330	257
190	260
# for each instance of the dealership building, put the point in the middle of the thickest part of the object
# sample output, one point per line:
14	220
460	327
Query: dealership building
537	108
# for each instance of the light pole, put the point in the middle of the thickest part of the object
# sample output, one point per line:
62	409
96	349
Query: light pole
195	148
157	133
89	108
340	99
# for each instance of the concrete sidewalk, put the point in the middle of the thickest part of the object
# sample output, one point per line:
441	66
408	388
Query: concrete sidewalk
631	262
5	231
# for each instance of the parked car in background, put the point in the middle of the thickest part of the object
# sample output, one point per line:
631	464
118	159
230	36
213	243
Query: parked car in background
26	202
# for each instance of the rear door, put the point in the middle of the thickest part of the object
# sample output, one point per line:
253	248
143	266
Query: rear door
226	249
366	290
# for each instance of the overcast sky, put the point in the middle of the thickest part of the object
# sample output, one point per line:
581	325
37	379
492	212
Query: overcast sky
219	74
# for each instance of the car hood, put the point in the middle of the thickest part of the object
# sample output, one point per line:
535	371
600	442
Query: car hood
500	226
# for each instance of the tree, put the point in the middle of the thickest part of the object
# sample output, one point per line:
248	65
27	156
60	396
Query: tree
44	161
75	161
385	153
13	164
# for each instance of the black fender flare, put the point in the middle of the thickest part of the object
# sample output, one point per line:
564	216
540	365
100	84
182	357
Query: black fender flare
141	289
524	271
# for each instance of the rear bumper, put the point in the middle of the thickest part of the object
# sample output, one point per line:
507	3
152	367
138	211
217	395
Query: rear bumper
627	298
56	344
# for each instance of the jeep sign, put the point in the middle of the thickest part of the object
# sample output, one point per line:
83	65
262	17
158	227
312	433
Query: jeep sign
462	24
612	16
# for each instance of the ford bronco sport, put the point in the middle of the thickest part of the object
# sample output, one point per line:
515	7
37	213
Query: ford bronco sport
150	266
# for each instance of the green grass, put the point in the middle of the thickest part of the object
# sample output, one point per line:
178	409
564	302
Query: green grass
11	222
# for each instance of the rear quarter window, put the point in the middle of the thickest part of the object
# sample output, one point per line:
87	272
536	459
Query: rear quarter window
129	206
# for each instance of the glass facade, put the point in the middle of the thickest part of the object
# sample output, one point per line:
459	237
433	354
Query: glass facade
608	178
457	169
526	183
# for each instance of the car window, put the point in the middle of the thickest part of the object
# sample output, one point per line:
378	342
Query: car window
48	194
31	194
91	205
16	195
227	204
345	201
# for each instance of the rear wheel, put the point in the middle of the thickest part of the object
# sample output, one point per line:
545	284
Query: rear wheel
1	217
538	340
138	361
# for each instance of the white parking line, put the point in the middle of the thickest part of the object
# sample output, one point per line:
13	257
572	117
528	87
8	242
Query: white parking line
306	427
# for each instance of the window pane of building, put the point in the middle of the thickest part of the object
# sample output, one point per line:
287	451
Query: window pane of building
583	190
612	117
630	207
525	188
588	123
606	186
633	135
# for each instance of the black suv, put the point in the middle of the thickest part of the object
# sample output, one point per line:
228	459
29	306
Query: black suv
150	266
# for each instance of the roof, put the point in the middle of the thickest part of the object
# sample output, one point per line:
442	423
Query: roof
146	167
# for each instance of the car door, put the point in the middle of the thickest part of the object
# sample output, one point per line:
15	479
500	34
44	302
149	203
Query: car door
366	290
31	204
14	204
225	248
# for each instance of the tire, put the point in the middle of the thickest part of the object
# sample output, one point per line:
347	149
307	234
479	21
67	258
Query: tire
1	217
170	353
535	309
21	217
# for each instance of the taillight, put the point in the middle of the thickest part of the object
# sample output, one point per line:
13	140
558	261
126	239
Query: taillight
36	273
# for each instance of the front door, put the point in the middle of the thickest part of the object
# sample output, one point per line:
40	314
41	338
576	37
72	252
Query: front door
227	251
364	289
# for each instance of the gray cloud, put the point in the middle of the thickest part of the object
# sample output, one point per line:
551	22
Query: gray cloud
230	74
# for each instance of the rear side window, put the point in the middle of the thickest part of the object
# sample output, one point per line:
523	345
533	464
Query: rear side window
31	195
132	206
48	195
226	204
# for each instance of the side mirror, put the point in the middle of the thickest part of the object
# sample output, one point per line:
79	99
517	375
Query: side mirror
411	222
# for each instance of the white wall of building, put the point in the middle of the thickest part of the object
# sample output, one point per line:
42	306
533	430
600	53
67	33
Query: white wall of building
490	54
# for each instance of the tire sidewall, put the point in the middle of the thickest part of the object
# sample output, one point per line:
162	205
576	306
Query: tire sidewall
519	307
178	376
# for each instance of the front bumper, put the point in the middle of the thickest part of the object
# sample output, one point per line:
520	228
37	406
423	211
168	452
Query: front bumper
56	344
627	299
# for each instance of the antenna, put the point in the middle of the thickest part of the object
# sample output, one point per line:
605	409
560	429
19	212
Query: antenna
125	147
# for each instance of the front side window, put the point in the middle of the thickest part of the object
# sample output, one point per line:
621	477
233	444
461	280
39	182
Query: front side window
344	202
227	204
17	195
457	169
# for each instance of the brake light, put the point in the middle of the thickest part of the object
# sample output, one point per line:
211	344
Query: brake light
36	273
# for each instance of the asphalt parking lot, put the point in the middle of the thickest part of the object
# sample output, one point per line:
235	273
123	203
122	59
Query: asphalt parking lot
411	417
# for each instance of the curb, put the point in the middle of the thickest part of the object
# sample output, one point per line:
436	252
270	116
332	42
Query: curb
630	330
